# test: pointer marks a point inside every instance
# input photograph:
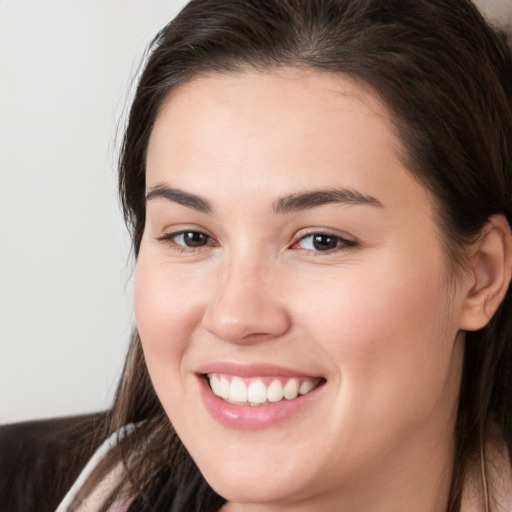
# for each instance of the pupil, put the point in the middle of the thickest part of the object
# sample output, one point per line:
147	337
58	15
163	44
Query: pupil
195	239
324	242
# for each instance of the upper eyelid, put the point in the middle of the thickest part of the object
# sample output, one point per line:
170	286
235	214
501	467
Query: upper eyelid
343	240
171	232
328	232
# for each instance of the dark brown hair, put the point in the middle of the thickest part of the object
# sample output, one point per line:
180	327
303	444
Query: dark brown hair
446	77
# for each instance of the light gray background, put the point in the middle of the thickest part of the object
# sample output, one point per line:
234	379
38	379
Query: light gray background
65	289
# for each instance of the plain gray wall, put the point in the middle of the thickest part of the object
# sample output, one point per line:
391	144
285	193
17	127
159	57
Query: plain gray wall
65	289
65	292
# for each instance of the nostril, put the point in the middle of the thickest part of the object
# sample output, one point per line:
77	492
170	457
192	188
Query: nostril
246	322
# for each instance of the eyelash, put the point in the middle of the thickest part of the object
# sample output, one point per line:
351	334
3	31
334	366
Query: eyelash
340	242
170	239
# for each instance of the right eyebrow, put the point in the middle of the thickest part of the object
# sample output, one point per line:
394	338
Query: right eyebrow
176	195
314	198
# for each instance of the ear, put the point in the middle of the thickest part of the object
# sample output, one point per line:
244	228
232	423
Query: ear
489	273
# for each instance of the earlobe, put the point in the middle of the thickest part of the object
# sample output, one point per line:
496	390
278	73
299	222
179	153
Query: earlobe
490	268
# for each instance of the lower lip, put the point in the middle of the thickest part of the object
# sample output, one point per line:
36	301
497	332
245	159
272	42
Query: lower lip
253	417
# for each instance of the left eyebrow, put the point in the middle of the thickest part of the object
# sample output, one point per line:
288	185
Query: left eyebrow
315	198
179	196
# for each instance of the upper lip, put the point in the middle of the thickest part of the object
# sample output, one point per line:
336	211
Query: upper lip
250	370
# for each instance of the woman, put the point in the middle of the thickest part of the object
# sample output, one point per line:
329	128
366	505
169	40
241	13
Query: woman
319	197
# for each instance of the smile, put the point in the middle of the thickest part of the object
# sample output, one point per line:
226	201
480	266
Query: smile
259	395
259	390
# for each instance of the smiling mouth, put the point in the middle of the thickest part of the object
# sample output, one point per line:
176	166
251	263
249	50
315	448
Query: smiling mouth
260	390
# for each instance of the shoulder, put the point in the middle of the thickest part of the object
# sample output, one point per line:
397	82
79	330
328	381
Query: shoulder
41	459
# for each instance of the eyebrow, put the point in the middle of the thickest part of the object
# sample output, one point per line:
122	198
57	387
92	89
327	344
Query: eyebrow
315	198
290	203
180	197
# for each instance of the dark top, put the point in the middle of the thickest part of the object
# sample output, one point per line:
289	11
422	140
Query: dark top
40	460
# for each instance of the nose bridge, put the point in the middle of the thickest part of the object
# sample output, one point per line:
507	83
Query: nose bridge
246	305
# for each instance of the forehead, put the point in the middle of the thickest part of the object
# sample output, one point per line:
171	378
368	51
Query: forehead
252	97
287	127
281	85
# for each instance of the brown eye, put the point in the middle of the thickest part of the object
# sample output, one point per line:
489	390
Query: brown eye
192	239
323	242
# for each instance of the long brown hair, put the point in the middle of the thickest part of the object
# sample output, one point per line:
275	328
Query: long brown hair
445	76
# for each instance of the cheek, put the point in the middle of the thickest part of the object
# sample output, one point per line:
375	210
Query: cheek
391	338
166	313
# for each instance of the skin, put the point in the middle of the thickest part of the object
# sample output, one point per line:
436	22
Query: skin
377	317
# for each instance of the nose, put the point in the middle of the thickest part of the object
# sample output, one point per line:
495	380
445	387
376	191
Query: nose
247	306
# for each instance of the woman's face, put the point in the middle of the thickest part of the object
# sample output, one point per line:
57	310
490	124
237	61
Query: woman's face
288	251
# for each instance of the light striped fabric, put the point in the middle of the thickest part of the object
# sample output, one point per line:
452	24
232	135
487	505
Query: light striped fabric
95	500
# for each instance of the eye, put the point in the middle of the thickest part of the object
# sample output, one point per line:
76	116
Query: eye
322	242
191	238
184	240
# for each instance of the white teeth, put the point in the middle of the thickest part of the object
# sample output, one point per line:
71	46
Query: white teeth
291	389
237	390
215	383
257	392
275	391
224	388
306	387
220	386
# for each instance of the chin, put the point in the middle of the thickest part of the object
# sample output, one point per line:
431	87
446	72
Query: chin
249	487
